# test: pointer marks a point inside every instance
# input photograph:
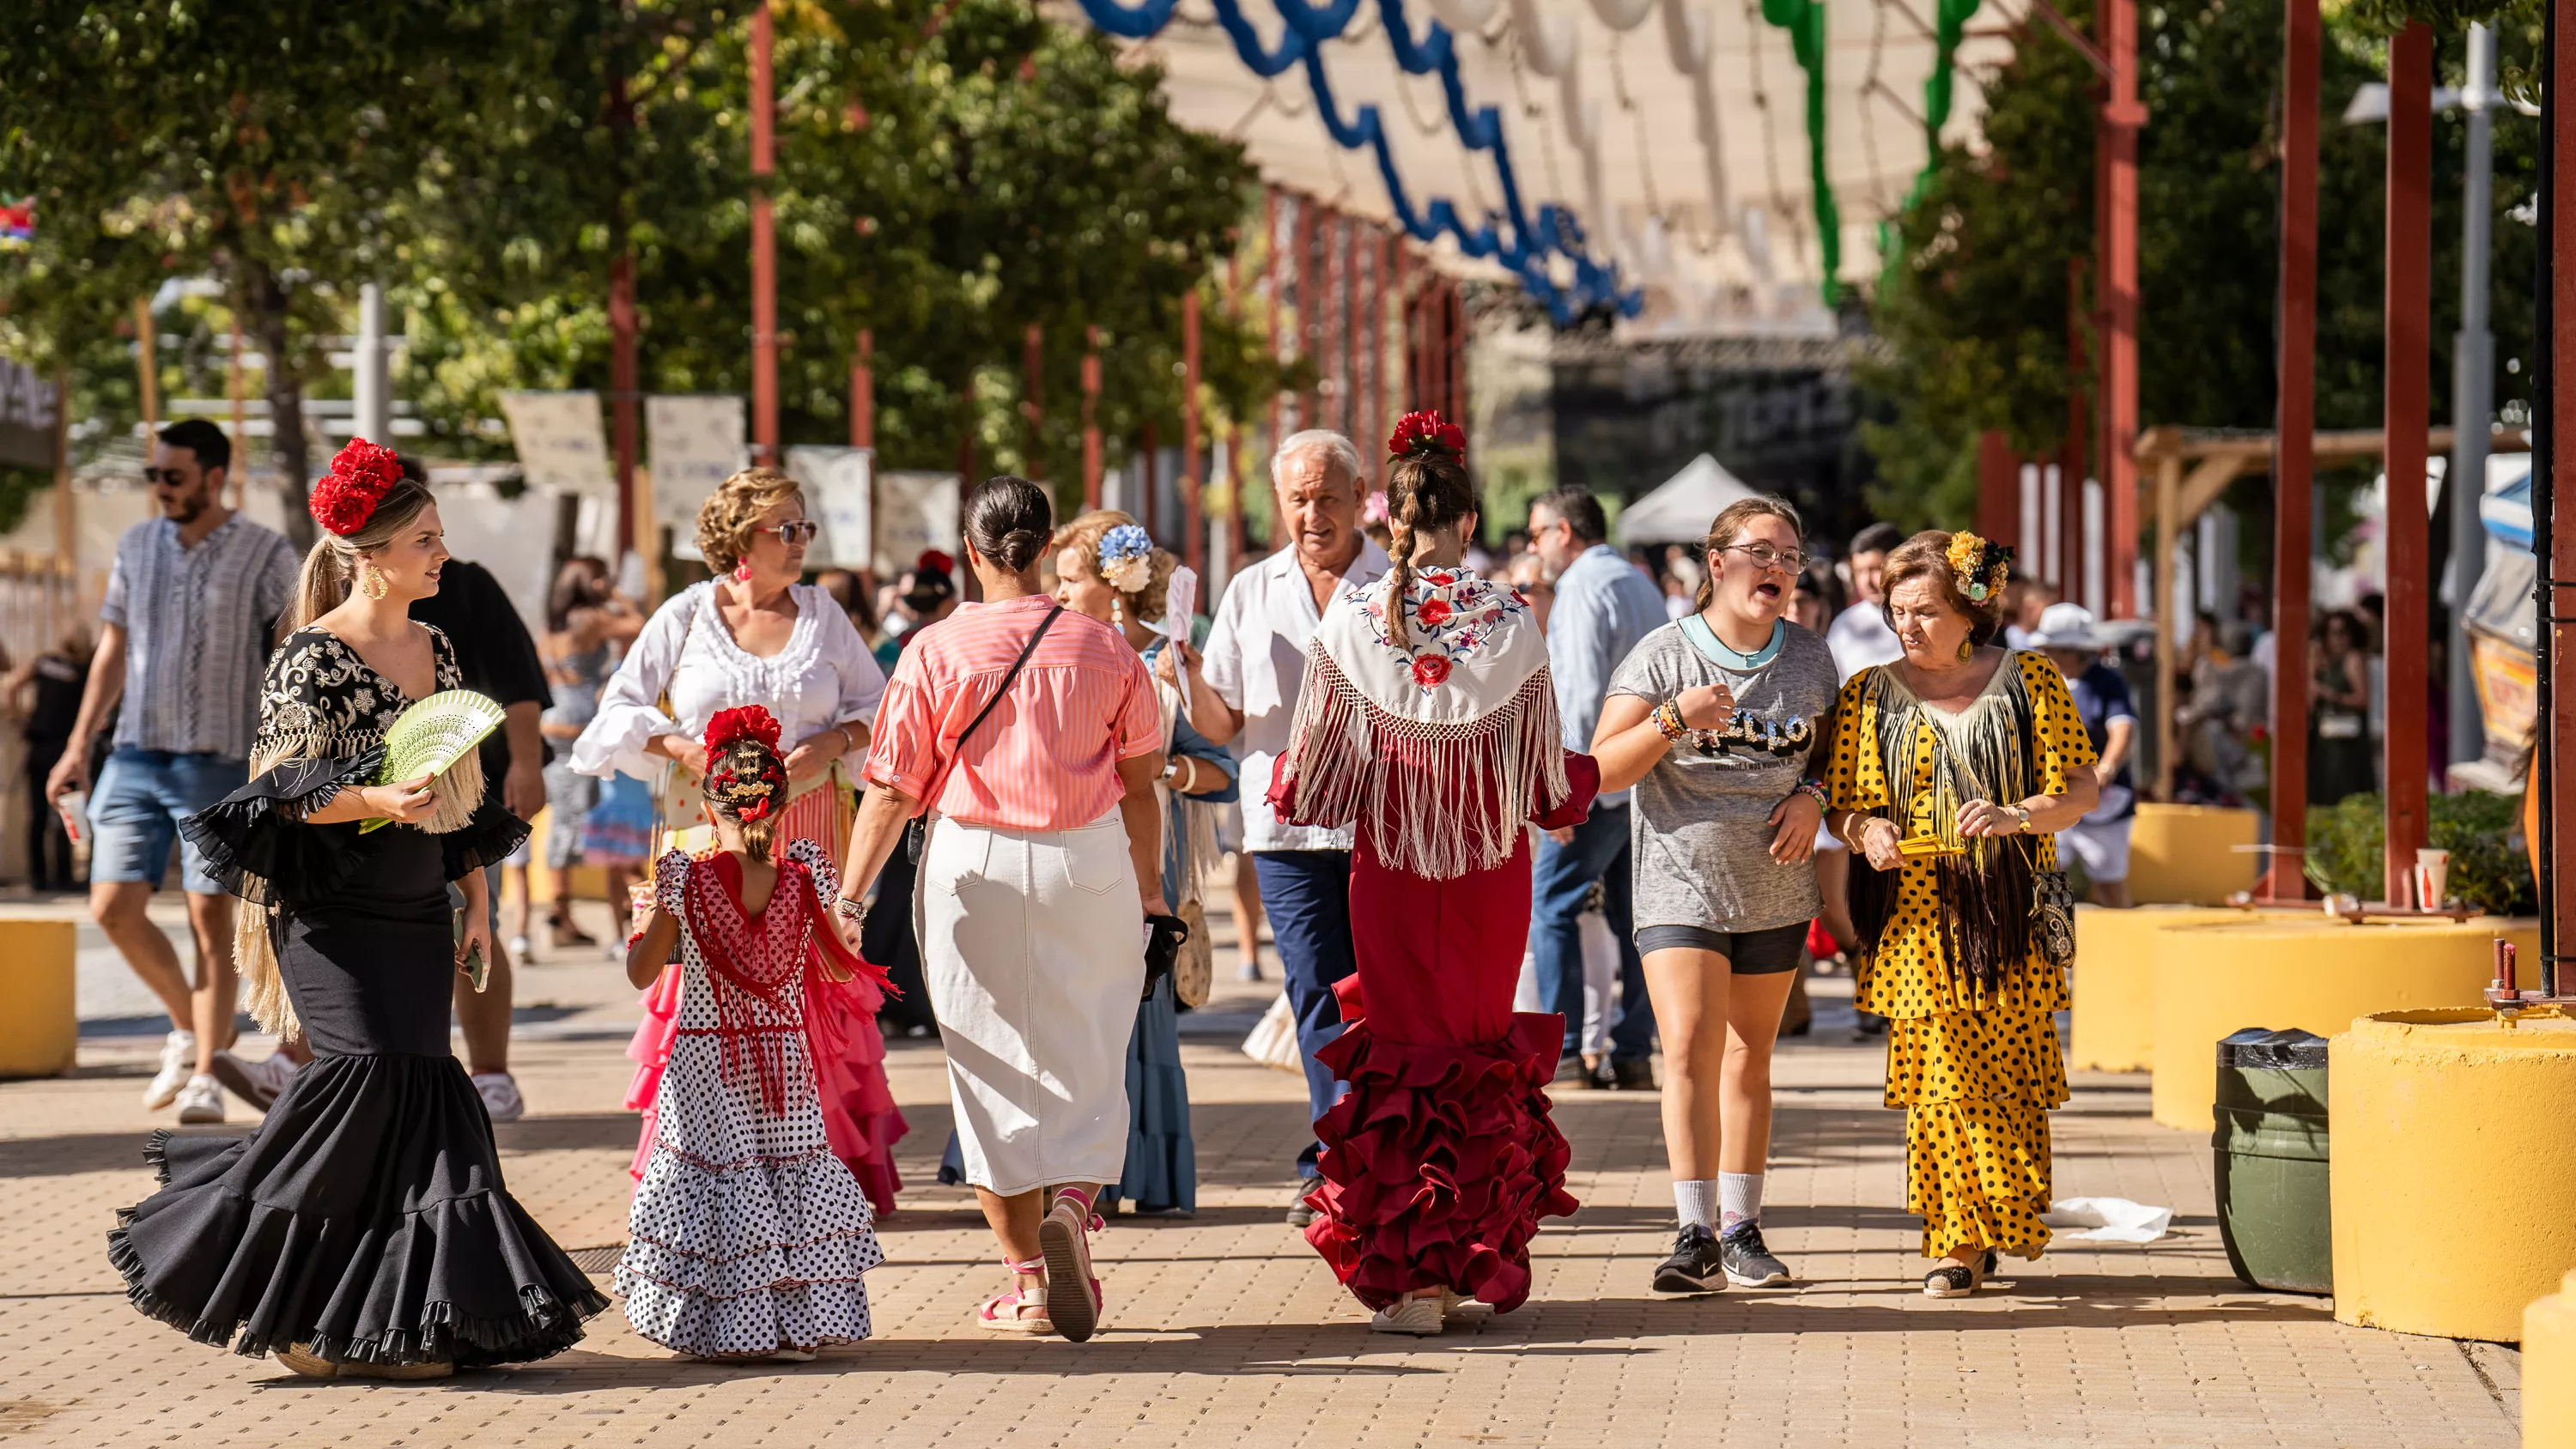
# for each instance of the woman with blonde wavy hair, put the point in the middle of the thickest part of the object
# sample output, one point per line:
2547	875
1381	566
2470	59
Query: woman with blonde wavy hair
755	635
363	1229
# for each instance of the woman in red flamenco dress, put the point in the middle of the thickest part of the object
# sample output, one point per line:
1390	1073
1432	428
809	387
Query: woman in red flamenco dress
1428	718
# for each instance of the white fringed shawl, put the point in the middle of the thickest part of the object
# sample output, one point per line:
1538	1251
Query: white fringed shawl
1446	746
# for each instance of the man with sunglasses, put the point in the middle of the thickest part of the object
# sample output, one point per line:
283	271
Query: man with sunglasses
1604	605
192	603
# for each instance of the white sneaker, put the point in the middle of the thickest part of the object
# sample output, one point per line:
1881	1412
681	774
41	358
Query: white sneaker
178	1063
1417	1316
500	1093
201	1102
258	1083
519	948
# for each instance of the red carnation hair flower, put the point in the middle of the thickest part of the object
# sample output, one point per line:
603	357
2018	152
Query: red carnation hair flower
1423	432
360	477
750	721
933	559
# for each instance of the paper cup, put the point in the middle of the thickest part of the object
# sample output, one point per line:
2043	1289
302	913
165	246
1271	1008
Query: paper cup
2432	878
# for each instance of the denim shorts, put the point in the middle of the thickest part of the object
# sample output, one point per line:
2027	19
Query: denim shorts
135	810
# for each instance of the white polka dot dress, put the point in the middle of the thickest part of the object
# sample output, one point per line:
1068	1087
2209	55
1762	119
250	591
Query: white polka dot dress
747	1234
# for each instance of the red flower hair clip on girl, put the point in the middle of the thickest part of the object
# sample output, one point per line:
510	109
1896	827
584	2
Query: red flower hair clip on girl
752	795
1424	431
360	477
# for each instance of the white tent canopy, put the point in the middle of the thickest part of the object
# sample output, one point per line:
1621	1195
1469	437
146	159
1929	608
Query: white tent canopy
1679	511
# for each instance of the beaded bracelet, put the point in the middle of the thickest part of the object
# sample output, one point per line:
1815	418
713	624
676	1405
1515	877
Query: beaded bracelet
1668	719
1814	790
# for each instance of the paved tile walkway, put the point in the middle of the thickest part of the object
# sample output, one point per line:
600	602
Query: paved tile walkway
1226	1330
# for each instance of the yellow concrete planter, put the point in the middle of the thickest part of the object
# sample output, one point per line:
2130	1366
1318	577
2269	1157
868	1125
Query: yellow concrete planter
2549	1370
39	1018
2188	855
2454	1177
2114	982
2292	970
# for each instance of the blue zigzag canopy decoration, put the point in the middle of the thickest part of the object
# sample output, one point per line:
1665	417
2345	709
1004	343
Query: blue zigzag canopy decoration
1508	237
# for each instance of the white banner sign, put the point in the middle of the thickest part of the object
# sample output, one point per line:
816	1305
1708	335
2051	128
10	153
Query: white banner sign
697	441
915	511
561	445
837	483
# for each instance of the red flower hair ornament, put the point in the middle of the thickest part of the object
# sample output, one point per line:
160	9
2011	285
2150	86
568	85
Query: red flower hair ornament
360	477
1424	432
751	794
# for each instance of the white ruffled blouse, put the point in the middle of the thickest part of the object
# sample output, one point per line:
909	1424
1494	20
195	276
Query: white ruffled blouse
824	677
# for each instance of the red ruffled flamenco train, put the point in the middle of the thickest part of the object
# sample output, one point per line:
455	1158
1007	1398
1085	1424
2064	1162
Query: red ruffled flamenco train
1439	1162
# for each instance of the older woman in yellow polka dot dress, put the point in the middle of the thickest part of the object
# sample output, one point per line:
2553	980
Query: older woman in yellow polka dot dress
1953	768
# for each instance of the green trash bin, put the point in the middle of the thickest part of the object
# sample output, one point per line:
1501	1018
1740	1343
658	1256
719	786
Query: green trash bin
2269	1160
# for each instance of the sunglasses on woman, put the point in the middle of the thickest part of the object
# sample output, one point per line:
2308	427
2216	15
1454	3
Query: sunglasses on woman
792	533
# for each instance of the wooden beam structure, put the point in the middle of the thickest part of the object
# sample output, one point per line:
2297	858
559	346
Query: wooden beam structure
2408	382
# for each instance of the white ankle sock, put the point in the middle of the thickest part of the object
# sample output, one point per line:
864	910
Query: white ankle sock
1739	1199
1696	1201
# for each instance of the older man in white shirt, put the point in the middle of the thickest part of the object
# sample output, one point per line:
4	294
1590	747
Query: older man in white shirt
1245	693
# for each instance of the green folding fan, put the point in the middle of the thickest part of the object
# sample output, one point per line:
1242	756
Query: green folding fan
432	735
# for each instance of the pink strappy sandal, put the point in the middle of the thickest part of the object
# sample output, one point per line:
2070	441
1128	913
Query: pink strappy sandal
1001	1312
1073	1294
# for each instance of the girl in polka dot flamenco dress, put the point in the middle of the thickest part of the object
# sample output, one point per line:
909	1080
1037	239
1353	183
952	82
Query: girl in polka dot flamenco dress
1952	770
748	1236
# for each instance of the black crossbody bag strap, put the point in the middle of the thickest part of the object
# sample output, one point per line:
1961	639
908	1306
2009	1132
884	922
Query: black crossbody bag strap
918	830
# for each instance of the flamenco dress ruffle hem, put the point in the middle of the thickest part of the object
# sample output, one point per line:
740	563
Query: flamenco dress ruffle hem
366	1216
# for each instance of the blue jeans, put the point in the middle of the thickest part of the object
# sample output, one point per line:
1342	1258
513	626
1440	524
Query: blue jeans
1307	895
135	810
1560	877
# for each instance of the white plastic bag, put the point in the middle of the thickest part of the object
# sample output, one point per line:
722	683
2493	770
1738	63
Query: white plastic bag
2107	1220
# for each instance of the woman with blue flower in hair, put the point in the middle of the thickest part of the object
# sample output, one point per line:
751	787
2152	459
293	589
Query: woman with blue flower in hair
1108	567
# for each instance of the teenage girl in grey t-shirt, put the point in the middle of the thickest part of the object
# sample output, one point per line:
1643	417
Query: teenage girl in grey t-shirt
1719	720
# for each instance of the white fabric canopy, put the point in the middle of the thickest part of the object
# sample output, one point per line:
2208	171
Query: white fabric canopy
1679	511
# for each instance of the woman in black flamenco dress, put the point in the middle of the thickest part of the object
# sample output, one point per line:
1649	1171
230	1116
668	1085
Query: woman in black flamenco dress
364	1227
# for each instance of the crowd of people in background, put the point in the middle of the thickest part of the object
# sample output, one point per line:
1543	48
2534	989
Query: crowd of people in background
1644	795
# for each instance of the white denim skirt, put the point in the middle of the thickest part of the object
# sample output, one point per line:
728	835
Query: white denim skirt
1033	944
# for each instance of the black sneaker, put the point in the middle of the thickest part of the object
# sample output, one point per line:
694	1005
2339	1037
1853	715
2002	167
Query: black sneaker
1300	1212
1634	1074
1698	1264
1749	1263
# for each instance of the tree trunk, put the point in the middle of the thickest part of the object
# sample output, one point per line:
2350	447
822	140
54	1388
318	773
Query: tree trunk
262	298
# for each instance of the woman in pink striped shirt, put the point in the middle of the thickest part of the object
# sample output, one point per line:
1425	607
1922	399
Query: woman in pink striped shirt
1032	735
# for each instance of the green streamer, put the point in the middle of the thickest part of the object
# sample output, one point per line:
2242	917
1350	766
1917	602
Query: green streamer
1805	22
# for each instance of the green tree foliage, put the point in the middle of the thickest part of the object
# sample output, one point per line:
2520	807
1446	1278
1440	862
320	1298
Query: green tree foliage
1973	308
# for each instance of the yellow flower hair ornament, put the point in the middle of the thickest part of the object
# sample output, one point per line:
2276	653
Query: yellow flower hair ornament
1979	565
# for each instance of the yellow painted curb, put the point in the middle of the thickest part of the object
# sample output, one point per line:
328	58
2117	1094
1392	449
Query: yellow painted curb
2454	1175
2187	854
2549	1370
39	1016
2295	970
2114	983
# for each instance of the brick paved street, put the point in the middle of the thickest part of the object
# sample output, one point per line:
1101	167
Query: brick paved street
1227	1330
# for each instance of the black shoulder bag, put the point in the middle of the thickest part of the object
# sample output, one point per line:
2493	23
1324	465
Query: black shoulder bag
918	831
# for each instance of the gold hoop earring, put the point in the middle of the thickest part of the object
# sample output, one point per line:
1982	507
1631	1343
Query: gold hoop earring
1967	650
371	582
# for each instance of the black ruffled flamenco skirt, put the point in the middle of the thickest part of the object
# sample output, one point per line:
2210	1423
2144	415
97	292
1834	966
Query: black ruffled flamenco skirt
366	1217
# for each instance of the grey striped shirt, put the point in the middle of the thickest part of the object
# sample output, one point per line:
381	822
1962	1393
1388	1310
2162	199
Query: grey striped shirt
197	625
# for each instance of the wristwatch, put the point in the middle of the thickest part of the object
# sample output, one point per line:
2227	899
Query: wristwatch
2023	811
851	908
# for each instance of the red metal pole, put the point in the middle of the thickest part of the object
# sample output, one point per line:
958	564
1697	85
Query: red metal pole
621	392
1193	530
764	249
1372	338
1271	279
2123	115
2073	454
863	392
1998	489
1033	396
1149	479
1310	321
2294	449
2408	381
2557	761
1090	423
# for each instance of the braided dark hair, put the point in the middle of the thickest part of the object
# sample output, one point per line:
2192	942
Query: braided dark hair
746	779
1427	488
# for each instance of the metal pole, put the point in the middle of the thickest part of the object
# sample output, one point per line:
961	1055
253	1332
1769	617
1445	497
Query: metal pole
373	417
2554	534
1193	528
2124	116
863	391
2294	449
1090	417
147	356
2407	381
764	247
2472	391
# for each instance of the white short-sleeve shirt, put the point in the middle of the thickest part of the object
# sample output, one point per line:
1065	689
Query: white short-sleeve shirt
1256	662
